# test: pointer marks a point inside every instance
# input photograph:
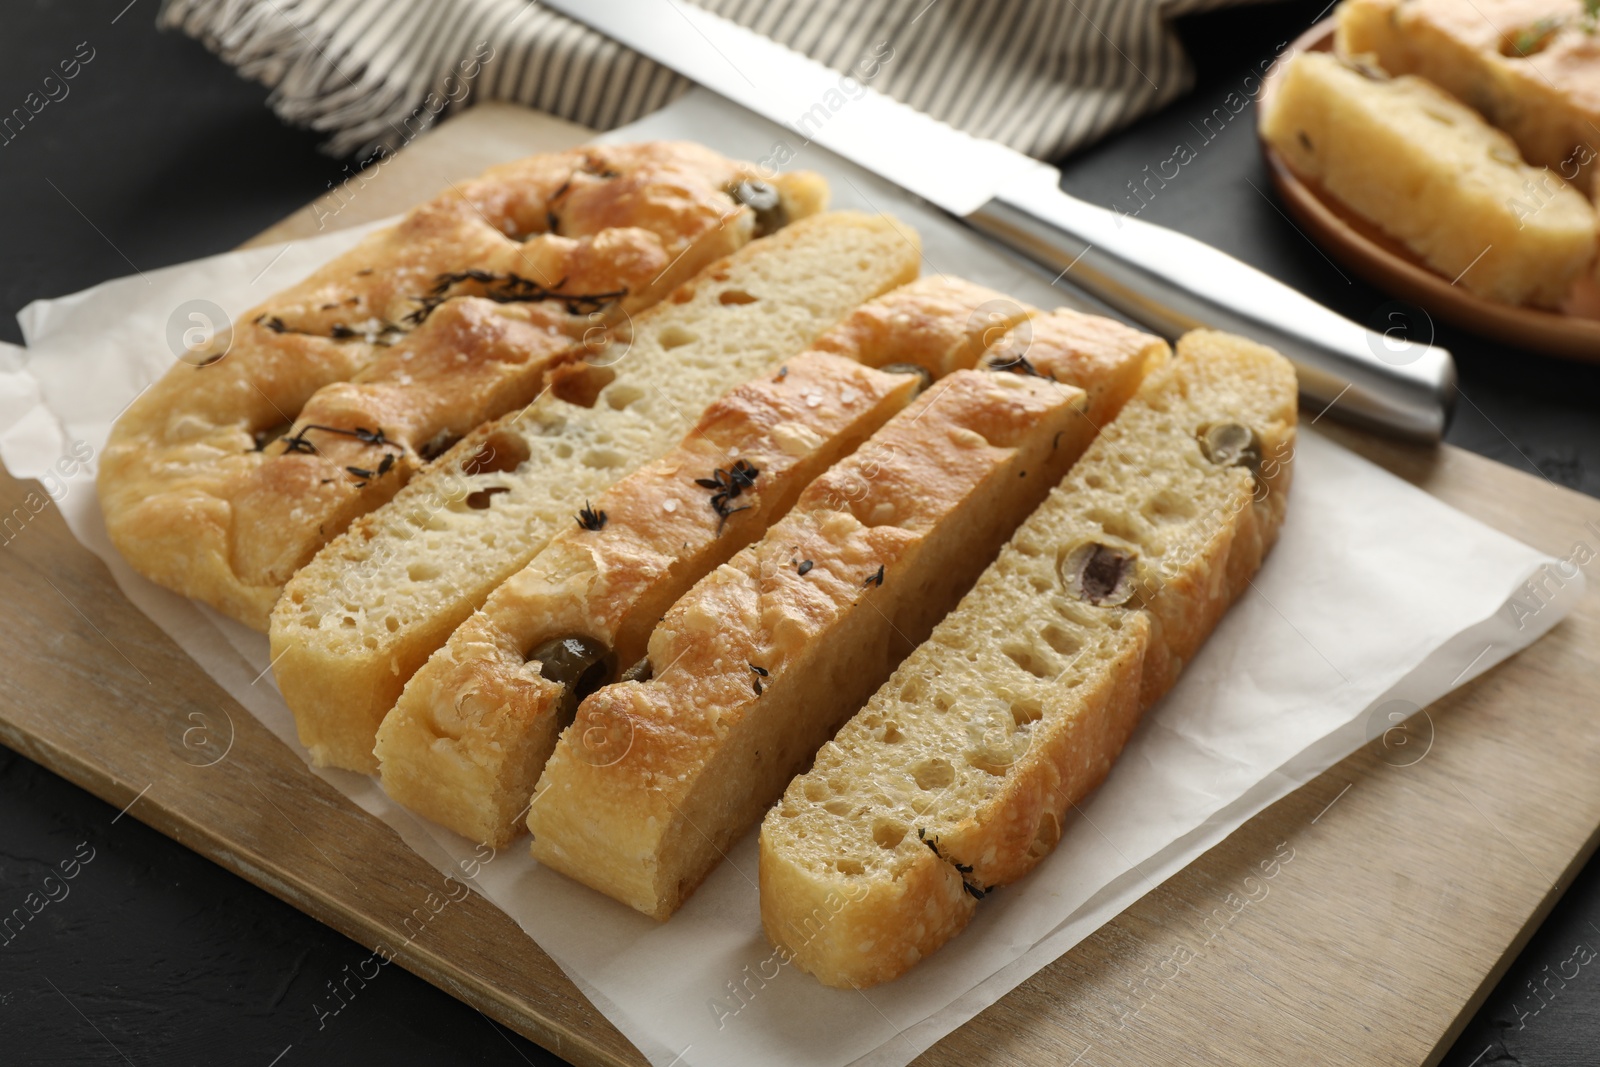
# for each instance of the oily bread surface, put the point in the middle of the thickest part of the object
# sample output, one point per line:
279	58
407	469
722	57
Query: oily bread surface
466	741
355	623
242	460
759	662
896	499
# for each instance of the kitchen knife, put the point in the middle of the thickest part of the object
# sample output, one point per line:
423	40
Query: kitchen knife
1163	280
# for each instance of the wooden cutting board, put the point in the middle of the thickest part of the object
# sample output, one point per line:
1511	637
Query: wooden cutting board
1359	920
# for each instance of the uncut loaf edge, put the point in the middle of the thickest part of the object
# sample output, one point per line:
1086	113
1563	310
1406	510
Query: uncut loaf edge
355	623
247	456
958	774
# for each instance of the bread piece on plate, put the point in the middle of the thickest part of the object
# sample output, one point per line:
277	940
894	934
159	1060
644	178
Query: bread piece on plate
756	666
959	774
356	622
1432	174
230	472
1531	67
466	741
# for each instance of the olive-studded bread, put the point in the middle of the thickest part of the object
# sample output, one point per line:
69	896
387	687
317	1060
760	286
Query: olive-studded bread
1432	174
471	732
360	618
247	456
959	774
1531	67
761	661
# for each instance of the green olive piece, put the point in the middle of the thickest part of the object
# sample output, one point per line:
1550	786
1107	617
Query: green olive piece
578	664
1228	444
764	200
1102	575
920	371
642	671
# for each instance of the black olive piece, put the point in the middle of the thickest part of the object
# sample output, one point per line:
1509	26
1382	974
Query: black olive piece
1229	444
642	671
764	200
910	368
578	664
1102	575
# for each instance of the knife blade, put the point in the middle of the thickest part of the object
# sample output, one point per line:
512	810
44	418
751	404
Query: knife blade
1163	280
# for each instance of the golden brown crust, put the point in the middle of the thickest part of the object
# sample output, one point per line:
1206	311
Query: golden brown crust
465	743
356	622
971	755
764	656
942	324
216	482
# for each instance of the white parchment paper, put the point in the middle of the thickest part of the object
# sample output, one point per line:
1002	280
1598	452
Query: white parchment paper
1377	598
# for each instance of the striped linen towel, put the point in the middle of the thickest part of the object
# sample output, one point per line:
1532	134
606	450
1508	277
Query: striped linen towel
1042	76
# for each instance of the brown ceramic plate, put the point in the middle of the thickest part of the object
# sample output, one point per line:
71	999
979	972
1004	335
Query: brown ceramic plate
1573	333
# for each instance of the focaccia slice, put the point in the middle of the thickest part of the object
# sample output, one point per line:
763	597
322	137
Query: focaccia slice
958	775
756	666
1429	172
356	622
466	741
1531	67
245	458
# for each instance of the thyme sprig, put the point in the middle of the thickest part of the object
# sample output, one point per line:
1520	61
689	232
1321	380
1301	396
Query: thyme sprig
728	485
963	869
510	288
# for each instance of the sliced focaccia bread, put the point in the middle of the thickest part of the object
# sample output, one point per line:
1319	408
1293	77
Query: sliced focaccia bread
230	472
355	623
940	324
466	741
1531	67
1429	172
757	664
958	775
753	667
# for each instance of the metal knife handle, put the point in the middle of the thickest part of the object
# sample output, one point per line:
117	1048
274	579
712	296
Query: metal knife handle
1171	283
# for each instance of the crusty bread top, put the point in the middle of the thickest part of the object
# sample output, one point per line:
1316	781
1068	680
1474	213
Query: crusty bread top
586	582
939	323
865	556
1099	355
950	734
216	481
466	740
357	621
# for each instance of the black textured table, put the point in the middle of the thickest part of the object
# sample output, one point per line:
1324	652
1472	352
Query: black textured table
156	154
